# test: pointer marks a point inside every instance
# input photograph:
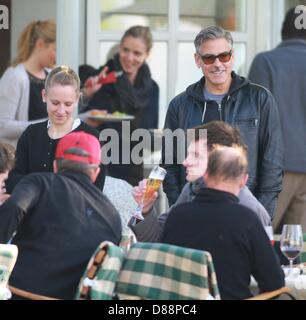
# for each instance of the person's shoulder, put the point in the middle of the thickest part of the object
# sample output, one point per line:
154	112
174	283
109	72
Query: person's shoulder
258	90
88	129
243	213
263	56
16	73
181	210
37	178
155	85
178	98
36	128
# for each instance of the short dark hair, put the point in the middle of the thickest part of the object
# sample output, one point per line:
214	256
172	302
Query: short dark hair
227	163
63	165
220	133
289	30
7	157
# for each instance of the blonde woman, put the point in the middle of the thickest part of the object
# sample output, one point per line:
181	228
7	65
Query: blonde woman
22	82
36	147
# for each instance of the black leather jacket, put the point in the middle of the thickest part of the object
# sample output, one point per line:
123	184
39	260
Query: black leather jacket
253	110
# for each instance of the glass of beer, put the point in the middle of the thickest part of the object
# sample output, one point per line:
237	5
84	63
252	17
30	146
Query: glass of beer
156	177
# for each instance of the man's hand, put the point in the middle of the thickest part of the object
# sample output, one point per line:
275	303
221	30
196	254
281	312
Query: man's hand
138	193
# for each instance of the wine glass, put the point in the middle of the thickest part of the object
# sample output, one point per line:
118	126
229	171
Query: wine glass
127	240
269	231
291	243
156	177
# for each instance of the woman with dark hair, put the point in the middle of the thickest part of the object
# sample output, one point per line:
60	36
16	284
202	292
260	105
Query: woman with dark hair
134	93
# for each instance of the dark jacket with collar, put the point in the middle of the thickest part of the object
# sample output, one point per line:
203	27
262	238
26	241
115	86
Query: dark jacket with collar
232	233
252	109
283	71
60	220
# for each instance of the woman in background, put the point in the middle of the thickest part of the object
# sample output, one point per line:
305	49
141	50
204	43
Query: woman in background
23	81
134	93
36	147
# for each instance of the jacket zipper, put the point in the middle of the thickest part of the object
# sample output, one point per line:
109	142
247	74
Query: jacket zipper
220	111
204	112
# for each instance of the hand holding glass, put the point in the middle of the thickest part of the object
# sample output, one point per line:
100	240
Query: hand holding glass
291	243
155	180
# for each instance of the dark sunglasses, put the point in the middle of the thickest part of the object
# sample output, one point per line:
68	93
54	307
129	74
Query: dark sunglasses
211	58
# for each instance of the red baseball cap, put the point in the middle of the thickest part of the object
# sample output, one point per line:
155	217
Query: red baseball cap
81	140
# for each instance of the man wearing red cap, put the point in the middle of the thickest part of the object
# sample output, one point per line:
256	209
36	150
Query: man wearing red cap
60	219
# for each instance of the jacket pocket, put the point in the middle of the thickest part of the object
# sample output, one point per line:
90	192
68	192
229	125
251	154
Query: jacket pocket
251	122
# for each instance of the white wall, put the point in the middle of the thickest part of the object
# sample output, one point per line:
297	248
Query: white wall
24	11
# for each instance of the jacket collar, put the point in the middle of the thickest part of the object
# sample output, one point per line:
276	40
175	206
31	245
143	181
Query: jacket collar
213	195
196	90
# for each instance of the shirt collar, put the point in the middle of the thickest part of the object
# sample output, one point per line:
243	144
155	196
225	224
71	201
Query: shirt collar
75	124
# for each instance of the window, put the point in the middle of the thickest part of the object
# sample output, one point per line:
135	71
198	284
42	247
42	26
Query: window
196	14
122	14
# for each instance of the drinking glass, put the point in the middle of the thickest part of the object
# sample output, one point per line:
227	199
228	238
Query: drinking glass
127	240
291	242
156	177
269	231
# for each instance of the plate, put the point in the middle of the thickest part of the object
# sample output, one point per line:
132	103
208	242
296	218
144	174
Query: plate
109	117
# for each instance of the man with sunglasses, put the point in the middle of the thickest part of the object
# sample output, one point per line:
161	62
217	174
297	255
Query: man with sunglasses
223	95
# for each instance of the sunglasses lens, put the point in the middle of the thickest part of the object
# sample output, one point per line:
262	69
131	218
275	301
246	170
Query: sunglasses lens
225	57
209	59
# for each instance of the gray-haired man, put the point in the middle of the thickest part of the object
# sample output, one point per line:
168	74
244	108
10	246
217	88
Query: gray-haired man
223	95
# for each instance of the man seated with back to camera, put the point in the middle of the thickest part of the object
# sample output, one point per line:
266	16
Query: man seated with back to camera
218	132
214	221
60	219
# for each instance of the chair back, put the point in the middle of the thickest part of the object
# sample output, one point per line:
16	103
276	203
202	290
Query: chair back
8	257
167	272
101	274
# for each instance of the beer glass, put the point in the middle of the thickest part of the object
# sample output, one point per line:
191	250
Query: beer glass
156	177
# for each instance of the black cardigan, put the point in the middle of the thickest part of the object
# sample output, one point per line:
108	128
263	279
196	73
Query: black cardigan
36	151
